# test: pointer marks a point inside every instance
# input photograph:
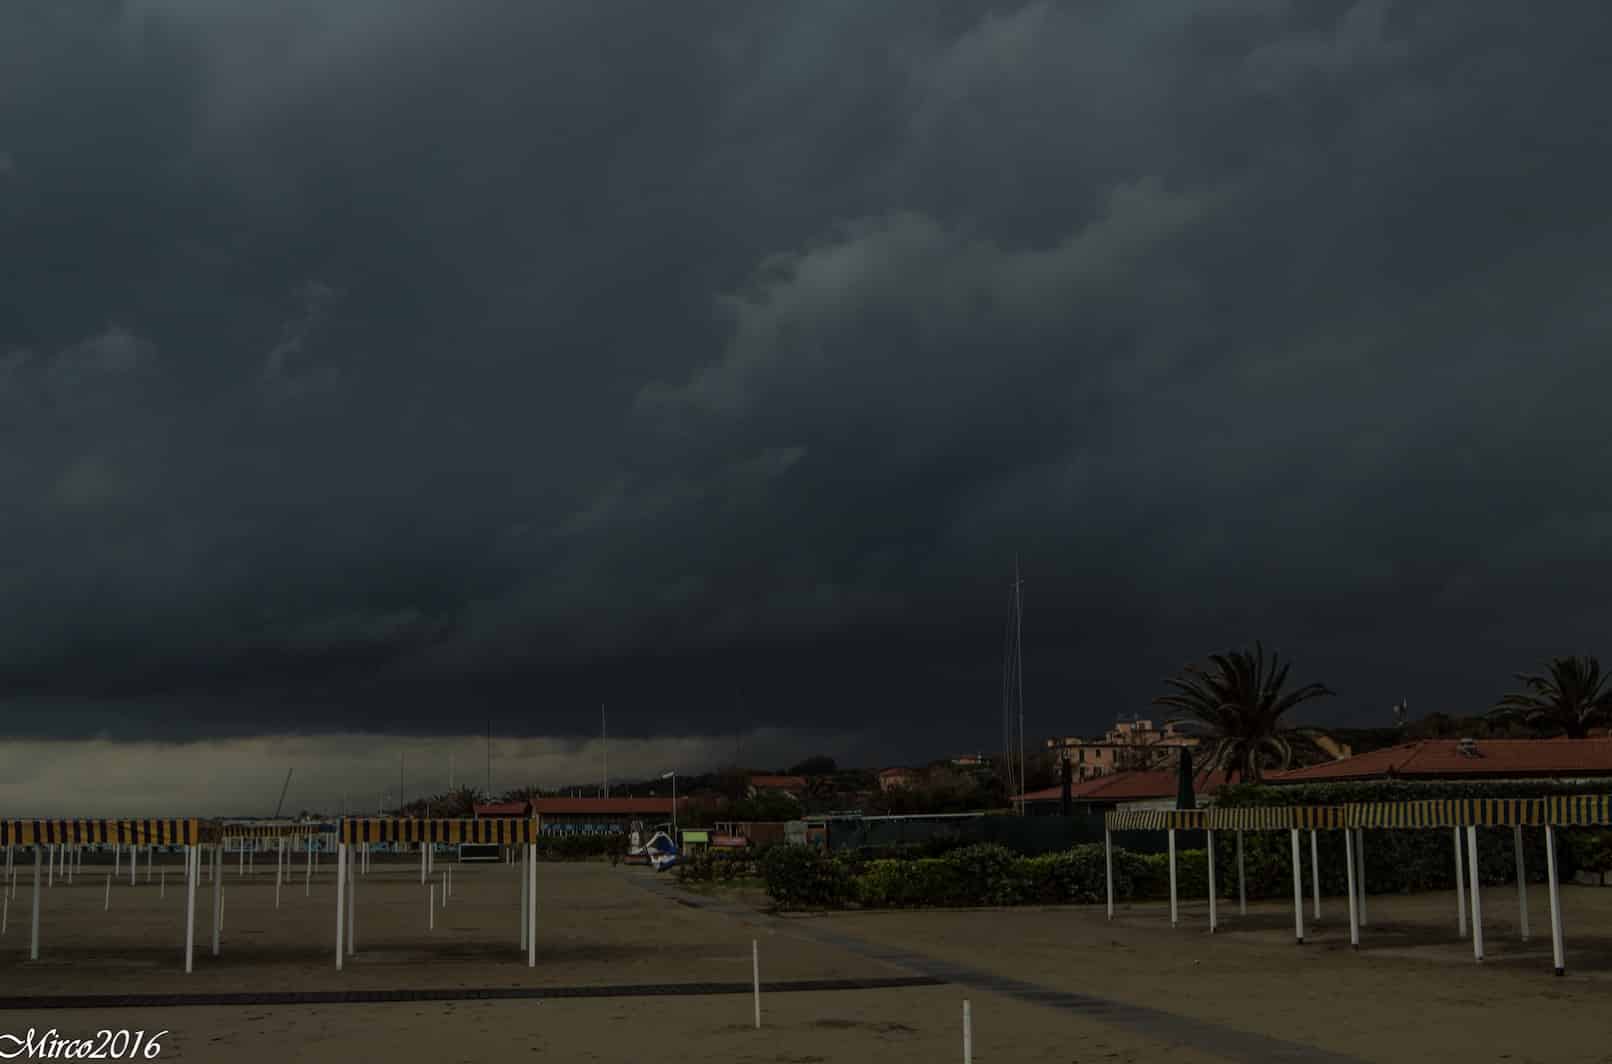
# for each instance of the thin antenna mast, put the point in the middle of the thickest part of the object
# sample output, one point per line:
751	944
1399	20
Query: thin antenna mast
604	741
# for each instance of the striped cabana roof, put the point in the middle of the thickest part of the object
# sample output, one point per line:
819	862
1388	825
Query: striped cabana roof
1586	810
1278	818
273	831
505	831
82	832
1156	819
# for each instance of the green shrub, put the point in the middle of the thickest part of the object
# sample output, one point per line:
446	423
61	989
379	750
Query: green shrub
895	884
987	874
802	877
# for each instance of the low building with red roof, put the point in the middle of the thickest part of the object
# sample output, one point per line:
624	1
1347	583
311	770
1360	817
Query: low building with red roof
1464	759
794	786
1121	790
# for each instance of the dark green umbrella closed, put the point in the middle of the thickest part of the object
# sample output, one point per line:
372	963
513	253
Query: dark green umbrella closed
1183	789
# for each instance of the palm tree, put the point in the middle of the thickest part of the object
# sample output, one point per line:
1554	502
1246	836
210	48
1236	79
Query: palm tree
1239	701
1573	697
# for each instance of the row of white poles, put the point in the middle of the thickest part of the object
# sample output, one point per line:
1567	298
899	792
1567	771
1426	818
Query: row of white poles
1354	841
348	864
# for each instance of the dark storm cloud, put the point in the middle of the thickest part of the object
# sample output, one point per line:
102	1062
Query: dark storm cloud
363	361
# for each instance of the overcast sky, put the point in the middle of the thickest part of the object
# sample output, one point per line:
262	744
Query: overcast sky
387	367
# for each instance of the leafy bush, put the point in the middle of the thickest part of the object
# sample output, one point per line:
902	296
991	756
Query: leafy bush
895	884
801	877
986	873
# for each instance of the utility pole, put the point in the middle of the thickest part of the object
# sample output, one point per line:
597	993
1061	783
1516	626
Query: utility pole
604	741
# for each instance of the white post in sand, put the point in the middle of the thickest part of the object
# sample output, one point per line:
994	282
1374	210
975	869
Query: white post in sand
162	884
341	901
531	902
1108	868
33	947
1298	890
1477	897
422	864
1555	901
218	895
1354	916
241	871
1242	883
1315	872
352	900
1522	882
1360	872
307	870
1460	887
50	867
431	908
525	914
755	977
192	873
1173	910
117	856
1212	883
106	906
151	861
968	1034
444	890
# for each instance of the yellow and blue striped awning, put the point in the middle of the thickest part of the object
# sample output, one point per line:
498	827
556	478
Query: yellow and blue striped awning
503	831
82	832
1562	811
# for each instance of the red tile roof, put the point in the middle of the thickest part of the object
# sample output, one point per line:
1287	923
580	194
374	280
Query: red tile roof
1442	759
779	783
1127	787
501	808
607	806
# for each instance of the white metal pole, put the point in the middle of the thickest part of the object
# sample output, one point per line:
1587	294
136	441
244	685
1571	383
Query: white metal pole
1477	895
525	885
1173	911
1522	882
968	1034
431	907
1242	883
33	945
1354	914
218	896
531	902
1360	873
352	899
755	978
151	861
106	906
307	870
1555	900
422	864
341	900
1298	890
50	867
1108	869
444	890
1212	884
192	873
1315	872
1460	887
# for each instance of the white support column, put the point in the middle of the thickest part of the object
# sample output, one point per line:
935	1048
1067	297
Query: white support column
307	870
1555	901
1298	889
1242	882
1354	912
1174	913
1360	873
50	866
218	896
134	863
1477	895
33	942
1522	882
341	900
1460	886
525	885
1315	872
531	905
352	899
192	861
1213	885
422	864
151	862
1108	868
